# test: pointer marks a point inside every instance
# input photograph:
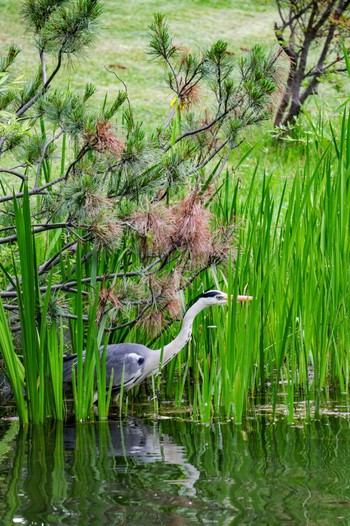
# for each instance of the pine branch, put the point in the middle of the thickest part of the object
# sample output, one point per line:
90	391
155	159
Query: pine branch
37	230
36	191
14	172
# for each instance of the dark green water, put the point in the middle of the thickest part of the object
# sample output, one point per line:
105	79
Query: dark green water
175	472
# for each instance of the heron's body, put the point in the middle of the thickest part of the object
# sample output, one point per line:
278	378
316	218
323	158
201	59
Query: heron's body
131	356
136	361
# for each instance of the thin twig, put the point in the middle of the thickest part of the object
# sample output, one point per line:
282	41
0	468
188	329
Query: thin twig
44	228
10	307
35	191
86	148
45	267
131	322
203	128
17	328
46	86
122	81
14	172
103	277
208	159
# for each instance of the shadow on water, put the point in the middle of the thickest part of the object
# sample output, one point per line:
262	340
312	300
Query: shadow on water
176	472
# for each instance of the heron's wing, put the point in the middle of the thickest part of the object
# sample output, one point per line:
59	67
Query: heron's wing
127	361
68	362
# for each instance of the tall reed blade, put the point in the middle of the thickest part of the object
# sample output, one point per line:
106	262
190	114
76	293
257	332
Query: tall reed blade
14	369
29	309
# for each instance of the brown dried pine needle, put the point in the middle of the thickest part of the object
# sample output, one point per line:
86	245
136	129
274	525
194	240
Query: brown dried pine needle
192	226
105	139
156	227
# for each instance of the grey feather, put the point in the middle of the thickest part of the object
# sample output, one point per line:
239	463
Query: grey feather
131	356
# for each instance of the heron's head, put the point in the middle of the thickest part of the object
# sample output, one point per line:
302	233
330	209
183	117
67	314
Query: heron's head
216	297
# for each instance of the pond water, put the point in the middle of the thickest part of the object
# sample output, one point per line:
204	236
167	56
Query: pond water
172	472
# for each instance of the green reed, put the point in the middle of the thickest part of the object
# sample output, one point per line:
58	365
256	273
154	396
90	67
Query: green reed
42	354
293	258
89	377
36	374
14	366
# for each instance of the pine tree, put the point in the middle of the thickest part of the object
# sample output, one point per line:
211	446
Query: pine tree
137	201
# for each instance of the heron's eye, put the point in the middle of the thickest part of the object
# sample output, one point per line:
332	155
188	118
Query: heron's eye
219	298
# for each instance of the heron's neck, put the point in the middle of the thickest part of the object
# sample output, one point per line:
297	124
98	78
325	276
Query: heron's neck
184	335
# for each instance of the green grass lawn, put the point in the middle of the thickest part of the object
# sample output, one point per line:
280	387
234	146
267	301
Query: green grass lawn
122	46
123	39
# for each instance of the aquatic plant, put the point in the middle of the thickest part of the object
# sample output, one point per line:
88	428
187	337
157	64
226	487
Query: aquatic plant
294	248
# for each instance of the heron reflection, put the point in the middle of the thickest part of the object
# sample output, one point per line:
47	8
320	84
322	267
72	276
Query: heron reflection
141	443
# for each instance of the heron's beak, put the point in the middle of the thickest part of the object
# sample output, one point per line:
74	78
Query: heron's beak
244	298
238	298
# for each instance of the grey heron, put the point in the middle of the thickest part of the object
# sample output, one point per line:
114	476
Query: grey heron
138	361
